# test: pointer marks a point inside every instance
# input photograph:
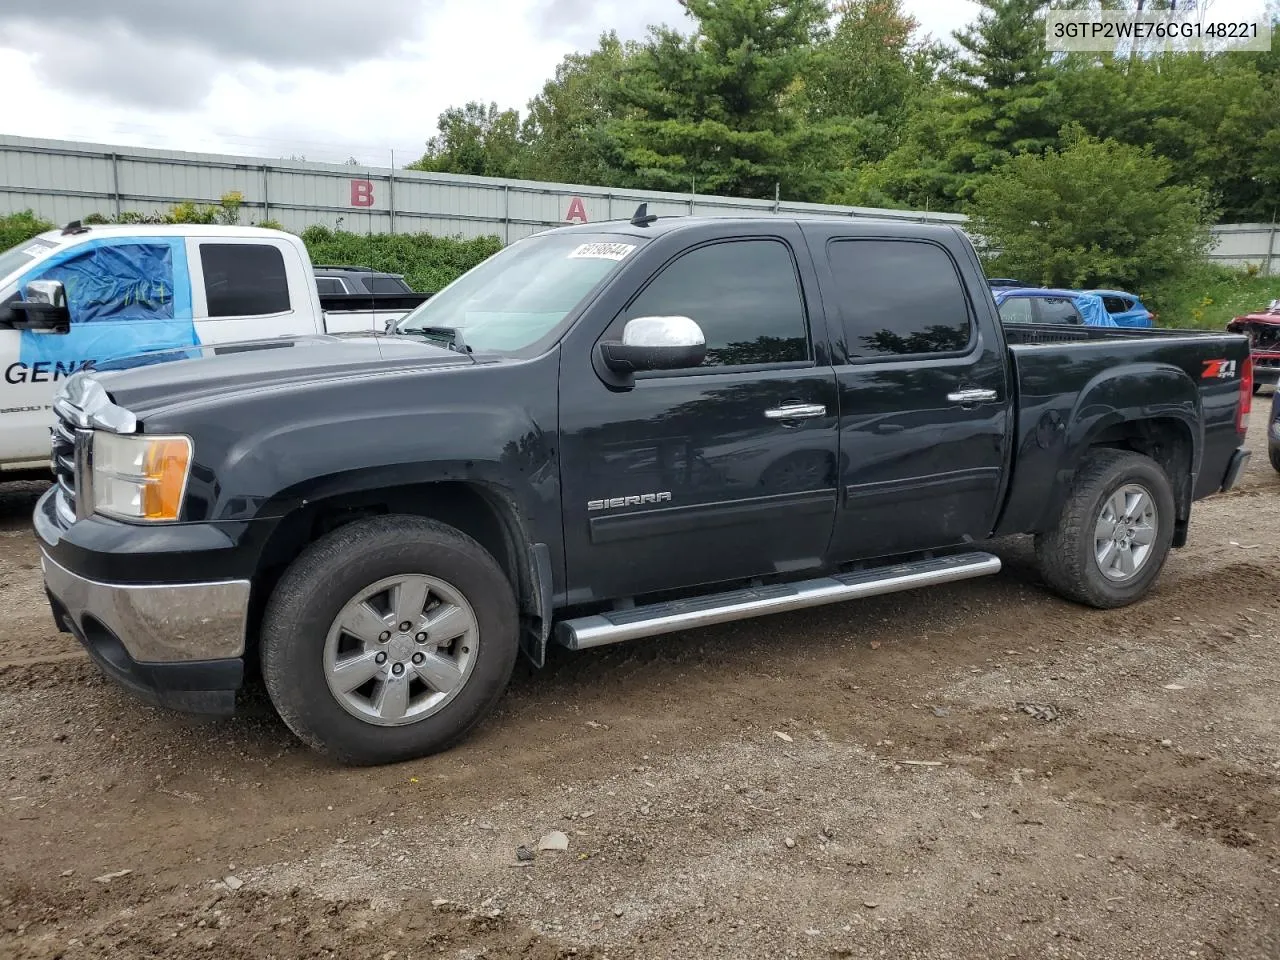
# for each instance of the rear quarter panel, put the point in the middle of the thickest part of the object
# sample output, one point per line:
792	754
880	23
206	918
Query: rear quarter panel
1068	394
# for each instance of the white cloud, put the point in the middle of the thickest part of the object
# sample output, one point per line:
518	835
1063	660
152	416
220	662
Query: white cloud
324	79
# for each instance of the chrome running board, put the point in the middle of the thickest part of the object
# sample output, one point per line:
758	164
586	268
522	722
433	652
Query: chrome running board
659	618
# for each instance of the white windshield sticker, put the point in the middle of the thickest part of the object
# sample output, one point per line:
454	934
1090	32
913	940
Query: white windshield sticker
602	251
35	250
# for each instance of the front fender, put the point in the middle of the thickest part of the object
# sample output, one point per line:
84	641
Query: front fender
273	470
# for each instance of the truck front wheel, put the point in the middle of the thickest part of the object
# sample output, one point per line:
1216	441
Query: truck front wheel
388	639
1114	533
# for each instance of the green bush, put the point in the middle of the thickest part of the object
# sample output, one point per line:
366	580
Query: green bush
16	227
427	262
1208	296
1095	214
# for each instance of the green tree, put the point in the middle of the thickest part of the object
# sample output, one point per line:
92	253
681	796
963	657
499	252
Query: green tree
711	108
564	129
870	66
1006	96
479	140
1096	213
1216	118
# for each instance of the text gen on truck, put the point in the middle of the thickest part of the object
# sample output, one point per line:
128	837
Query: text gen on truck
602	433
138	288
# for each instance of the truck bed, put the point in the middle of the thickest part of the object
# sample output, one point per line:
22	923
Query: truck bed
1035	333
1077	385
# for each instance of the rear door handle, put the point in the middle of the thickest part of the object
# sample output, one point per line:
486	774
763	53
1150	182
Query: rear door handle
971	395
796	411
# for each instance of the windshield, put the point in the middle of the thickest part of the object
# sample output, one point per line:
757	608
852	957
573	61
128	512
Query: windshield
15	258
522	293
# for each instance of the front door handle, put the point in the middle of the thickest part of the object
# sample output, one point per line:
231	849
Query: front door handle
796	411
971	395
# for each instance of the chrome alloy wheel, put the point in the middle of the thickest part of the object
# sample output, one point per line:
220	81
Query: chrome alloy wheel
401	649
1125	532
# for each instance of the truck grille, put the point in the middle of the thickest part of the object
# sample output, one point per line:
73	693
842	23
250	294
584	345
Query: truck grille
69	446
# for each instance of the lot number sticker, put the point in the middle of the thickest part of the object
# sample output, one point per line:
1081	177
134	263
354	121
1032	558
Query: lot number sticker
602	251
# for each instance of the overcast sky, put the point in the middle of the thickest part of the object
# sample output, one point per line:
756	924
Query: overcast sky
323	79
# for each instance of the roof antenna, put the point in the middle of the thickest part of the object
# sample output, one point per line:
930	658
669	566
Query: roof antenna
642	216
74	227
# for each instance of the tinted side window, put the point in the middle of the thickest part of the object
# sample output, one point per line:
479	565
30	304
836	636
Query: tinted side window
744	294
1057	310
1116	304
388	285
327	286
1016	310
898	297
244	279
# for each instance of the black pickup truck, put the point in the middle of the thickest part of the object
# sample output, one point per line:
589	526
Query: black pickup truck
606	432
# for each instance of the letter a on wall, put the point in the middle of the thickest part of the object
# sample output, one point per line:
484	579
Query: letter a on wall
577	211
362	193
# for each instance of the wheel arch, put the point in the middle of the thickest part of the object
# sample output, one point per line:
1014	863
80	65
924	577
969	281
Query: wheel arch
1154	409
488	513
1168	440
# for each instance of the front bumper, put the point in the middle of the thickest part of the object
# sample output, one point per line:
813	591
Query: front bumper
178	645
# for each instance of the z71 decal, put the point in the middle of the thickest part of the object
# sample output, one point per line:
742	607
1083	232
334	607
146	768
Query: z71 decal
1218	369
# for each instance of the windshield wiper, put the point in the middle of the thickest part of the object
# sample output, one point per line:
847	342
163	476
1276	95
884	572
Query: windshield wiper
451	335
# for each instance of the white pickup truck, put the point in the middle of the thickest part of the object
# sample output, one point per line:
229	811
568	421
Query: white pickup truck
139	288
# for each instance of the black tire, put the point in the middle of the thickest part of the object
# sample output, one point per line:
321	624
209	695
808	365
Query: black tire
335	569
1066	553
1274	454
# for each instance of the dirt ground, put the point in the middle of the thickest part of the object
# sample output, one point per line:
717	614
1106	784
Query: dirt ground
856	780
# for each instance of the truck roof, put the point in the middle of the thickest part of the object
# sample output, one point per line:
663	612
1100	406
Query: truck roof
673	224
77	229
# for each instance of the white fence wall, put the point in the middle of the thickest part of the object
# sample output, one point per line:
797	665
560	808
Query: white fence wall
62	180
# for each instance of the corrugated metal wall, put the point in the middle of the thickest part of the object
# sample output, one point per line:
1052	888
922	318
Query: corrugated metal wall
62	180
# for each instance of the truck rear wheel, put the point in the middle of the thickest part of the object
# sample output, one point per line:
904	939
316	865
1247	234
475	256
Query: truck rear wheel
388	639
1114	533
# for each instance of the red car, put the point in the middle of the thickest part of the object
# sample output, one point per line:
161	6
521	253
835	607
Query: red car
1263	331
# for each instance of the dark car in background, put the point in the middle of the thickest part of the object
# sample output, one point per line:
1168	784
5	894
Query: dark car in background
347	280
1273	431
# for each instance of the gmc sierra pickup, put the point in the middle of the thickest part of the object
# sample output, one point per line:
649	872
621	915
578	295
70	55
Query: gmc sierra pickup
606	432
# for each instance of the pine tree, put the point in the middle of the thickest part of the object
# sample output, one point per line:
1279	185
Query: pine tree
710	109
1004	84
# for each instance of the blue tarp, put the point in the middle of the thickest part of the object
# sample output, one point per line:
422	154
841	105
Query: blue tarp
1093	310
127	295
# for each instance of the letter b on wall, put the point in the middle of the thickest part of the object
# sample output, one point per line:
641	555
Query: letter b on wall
362	193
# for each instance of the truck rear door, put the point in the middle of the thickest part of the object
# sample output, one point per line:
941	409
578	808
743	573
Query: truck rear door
925	400
247	288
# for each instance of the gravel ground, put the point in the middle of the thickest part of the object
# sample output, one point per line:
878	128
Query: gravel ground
856	780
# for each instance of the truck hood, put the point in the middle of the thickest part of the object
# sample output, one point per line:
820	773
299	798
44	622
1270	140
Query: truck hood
150	381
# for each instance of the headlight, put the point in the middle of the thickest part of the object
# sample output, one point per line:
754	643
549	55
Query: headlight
139	477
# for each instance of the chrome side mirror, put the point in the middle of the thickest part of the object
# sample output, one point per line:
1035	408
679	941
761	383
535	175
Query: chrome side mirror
43	308
656	343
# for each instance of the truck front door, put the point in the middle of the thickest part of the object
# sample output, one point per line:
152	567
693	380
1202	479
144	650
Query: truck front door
924	397
723	472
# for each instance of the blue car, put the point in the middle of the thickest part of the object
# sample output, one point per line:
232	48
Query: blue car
1050	305
1125	308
